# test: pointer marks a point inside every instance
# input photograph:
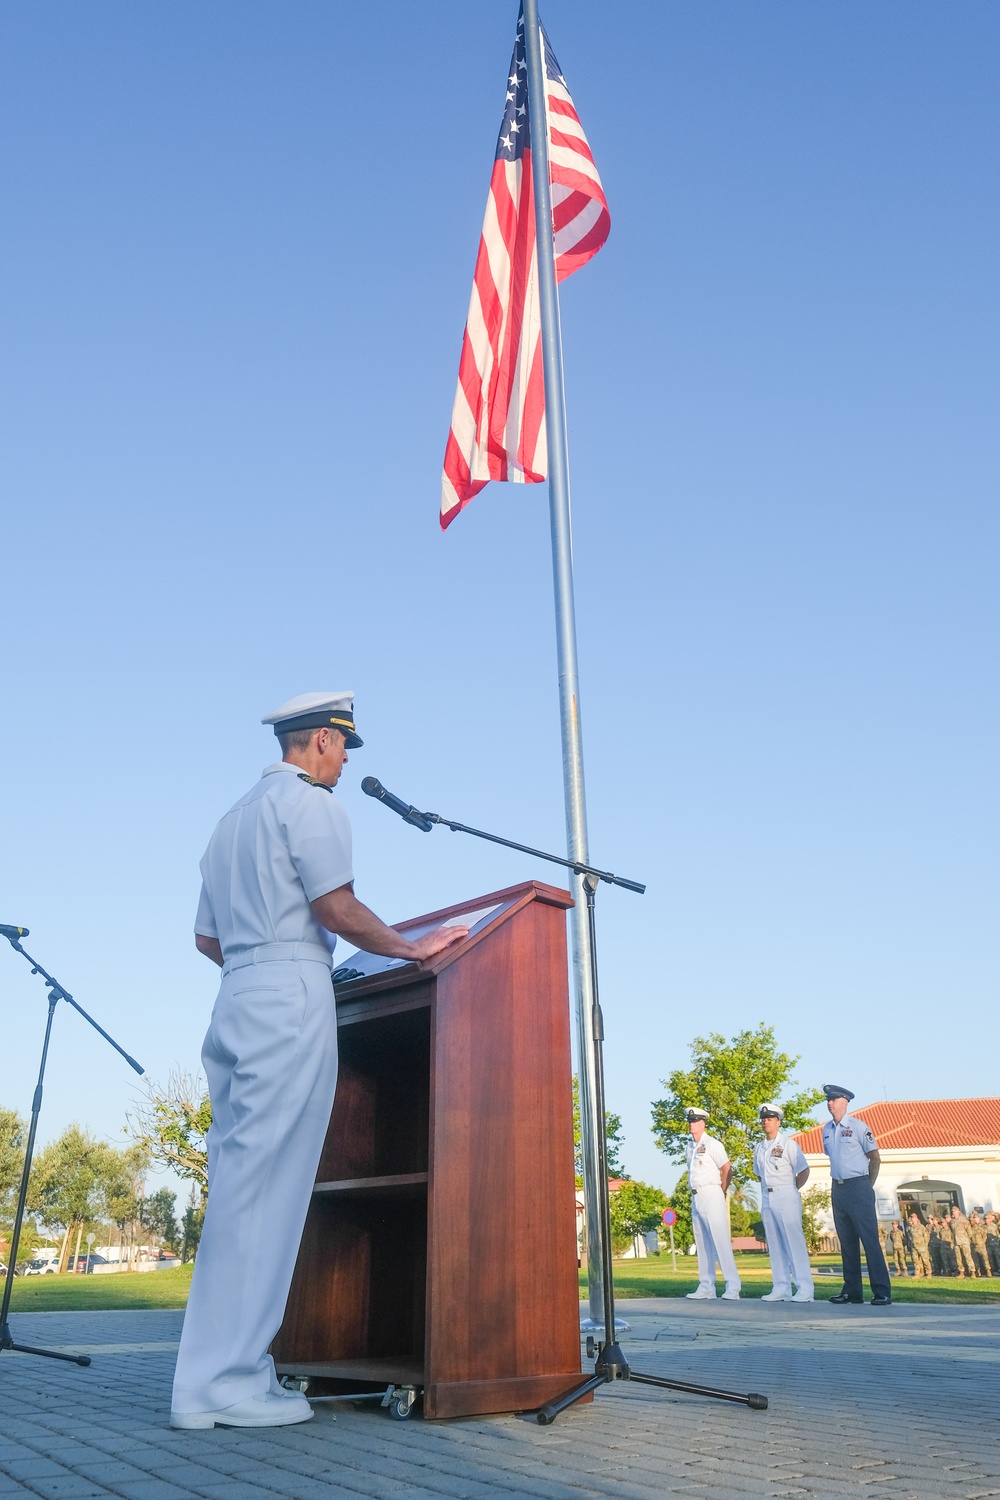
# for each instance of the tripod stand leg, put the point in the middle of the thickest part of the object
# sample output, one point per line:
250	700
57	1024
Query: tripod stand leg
6	1339
546	1415
71	1359
752	1399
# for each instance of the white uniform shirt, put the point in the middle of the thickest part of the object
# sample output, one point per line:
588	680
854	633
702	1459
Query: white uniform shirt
777	1163
706	1159
283	844
847	1145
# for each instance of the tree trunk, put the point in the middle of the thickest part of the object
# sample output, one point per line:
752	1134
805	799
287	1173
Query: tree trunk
64	1250
76	1253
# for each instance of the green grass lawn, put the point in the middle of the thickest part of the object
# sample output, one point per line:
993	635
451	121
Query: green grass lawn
70	1293
633	1278
654	1277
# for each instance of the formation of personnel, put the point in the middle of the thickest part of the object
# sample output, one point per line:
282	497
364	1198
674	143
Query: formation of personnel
952	1245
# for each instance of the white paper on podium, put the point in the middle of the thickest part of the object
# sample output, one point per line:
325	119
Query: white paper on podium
374	963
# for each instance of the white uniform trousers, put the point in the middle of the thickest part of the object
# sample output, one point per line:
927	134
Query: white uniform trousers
781	1211
271	1061
710	1222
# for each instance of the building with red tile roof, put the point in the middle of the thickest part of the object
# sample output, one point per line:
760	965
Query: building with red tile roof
934	1152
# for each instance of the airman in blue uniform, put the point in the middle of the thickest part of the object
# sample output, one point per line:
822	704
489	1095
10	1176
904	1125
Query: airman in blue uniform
854	1165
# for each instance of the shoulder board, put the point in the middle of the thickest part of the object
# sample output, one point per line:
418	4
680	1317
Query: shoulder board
311	781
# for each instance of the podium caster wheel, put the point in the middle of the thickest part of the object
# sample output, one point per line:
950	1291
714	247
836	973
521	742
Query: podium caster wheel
401	1405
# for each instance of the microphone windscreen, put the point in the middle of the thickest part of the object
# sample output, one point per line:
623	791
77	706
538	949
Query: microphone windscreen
372	787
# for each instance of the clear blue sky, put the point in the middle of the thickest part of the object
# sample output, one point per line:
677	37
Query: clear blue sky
237	245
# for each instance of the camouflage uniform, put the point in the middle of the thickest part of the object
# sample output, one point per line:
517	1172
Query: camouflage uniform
977	1235
963	1244
898	1246
920	1241
993	1243
936	1248
948	1248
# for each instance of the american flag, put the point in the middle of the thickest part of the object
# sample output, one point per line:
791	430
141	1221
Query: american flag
498	422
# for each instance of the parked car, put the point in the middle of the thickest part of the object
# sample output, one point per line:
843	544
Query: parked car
41	1268
85	1263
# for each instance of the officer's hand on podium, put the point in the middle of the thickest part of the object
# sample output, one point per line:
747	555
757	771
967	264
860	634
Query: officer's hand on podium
341	912
433	942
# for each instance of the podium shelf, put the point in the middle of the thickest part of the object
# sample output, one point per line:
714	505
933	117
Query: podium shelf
385	1371
401	1182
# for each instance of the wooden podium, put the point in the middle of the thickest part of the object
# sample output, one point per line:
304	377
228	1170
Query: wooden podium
440	1247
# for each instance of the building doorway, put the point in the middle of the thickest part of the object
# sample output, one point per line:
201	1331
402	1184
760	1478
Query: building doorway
927	1199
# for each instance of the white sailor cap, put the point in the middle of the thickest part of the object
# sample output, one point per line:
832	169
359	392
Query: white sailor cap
318	711
771	1109
695	1114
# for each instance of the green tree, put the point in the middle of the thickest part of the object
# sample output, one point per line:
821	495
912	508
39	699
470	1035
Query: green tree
613	1126
191	1227
122	1193
815	1203
156	1217
30	1241
731	1079
680	1202
171	1123
13	1132
742	1215
74	1180
636	1208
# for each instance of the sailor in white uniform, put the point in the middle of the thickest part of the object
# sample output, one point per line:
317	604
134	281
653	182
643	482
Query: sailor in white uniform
709	1173
277	884
782	1170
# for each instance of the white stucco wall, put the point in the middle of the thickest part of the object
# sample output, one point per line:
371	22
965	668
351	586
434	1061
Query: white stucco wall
974	1170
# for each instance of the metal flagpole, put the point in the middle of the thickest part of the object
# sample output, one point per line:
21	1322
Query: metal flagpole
569	686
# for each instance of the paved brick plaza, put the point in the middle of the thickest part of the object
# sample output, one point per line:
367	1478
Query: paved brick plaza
905	1401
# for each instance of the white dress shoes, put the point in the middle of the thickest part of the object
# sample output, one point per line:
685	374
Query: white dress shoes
777	1297
701	1295
804	1294
268	1410
731	1294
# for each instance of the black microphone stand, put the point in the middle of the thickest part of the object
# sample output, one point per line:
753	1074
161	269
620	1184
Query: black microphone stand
56	993
610	1363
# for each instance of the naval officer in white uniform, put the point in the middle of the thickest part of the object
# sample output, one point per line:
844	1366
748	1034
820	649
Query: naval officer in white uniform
277	882
782	1171
709	1174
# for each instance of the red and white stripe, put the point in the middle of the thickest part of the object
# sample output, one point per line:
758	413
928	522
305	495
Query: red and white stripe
498	421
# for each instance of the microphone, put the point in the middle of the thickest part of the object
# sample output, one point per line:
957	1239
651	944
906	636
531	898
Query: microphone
14	933
374	788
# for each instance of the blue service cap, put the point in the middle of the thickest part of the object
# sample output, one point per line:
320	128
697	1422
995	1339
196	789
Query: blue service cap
834	1091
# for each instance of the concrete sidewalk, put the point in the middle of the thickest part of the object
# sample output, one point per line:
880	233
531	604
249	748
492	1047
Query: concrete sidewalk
863	1401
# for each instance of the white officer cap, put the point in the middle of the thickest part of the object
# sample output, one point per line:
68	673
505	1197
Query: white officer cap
318	711
771	1109
695	1114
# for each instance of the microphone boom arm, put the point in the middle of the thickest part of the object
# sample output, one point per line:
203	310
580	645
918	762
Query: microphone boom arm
556	859
425	821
